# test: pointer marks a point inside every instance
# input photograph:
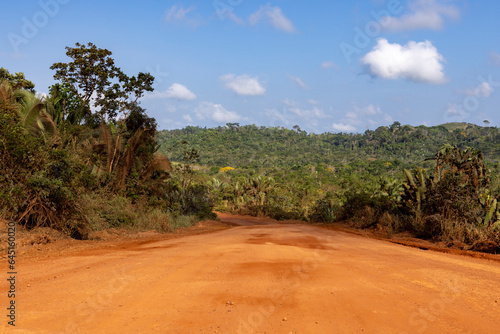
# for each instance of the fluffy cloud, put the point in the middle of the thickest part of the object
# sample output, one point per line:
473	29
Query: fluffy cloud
369	110
483	90
298	81
423	14
341	127
293	108
328	64
309	114
292	113
418	62
312	113
274	16
215	112
180	15
176	91
367	116
243	84
179	92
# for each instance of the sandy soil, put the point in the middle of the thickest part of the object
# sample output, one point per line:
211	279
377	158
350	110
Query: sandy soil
252	275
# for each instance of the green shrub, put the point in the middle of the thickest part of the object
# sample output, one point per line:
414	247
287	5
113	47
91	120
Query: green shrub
325	210
364	209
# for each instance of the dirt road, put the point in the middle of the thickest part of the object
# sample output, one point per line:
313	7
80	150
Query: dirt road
257	279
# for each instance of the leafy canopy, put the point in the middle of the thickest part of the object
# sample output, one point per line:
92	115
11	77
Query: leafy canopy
104	90
16	81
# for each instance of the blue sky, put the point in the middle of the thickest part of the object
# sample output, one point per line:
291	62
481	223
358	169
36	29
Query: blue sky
327	66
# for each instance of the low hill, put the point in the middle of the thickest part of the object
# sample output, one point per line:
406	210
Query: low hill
395	146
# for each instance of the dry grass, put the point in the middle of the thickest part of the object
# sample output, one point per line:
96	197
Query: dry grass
104	211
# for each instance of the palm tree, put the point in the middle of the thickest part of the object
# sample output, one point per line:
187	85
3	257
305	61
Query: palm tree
34	116
105	149
114	153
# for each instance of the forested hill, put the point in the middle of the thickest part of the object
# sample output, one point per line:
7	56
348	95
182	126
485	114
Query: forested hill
393	146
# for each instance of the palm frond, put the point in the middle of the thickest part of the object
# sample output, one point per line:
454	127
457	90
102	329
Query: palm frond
34	117
159	163
106	138
128	157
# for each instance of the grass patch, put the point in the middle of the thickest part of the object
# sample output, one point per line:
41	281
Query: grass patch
163	222
105	211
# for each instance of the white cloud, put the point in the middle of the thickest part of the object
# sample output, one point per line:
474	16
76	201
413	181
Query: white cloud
368	116
298	81
455	112
179	92
230	14
292	113
292	107
180	15
362	115
341	127
313	102
243	84
188	118
216	112
369	110
418	62
423	14
315	112
483	90
274	16
175	91
329	64
495	58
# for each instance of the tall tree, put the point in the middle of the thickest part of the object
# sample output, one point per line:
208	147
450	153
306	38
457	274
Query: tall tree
104	90
17	81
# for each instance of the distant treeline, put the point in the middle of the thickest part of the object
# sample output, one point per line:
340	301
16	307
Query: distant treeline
387	148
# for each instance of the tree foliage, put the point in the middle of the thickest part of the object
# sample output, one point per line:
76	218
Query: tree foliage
17	81
103	89
384	150
89	138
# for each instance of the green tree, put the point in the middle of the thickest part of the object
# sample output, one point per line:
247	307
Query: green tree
17	81
66	105
103	89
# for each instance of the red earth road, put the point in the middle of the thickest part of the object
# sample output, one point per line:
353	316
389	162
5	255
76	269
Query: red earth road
258	277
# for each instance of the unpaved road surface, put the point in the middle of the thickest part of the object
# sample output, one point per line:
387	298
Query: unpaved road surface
269	278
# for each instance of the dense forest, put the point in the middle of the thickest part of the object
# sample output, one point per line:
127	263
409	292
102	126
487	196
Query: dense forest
387	148
435	182
87	157
84	157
